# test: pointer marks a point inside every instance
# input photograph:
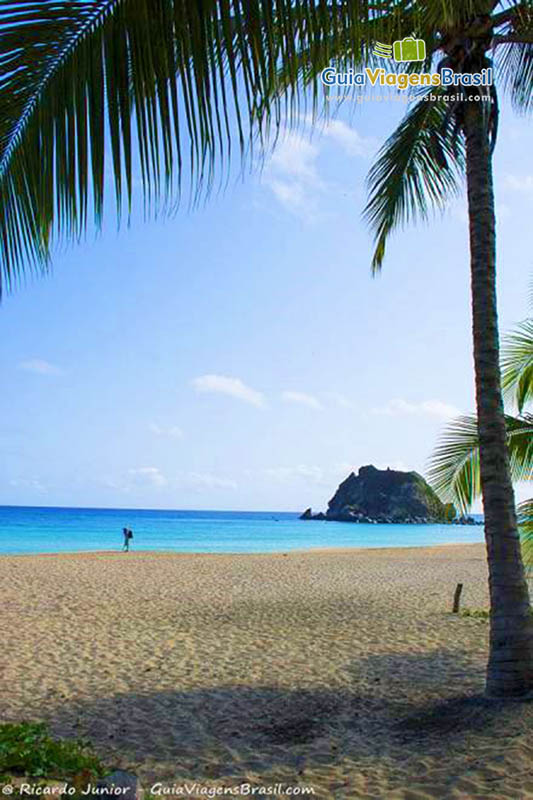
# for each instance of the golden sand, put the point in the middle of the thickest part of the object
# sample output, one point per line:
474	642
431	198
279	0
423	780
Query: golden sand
340	670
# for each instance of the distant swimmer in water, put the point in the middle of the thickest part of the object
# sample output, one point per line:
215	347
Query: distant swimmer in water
127	536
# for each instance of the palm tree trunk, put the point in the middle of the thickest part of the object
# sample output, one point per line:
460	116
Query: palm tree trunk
510	666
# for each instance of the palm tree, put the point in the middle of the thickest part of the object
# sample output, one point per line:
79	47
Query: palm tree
454	471
184	79
420	165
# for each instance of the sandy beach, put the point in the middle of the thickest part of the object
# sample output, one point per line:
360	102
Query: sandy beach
340	670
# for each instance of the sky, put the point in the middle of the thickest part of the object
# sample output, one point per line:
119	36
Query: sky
241	356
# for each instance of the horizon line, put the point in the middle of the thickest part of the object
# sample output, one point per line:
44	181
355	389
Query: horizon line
142	508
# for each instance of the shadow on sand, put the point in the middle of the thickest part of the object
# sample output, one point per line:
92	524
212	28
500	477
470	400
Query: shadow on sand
400	707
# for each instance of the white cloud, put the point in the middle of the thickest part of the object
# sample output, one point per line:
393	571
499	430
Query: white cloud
40	367
309	474
340	399
433	408
519	183
293	197
302	399
326	478
292	176
233	387
28	483
205	480
342	134
149	475
349	139
172	432
296	155
113	483
147	478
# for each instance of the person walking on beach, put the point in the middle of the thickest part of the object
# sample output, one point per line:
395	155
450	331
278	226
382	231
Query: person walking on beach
127	536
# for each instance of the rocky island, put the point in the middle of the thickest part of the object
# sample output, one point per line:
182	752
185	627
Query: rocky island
385	496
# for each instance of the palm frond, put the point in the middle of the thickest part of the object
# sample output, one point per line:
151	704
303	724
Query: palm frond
417	170
520	432
515	68
525	523
395	21
514	59
454	471
517	364
454	466
174	82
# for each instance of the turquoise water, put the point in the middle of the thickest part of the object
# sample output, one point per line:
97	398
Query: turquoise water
56	530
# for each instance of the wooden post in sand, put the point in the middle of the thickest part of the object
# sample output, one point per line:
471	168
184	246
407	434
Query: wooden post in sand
457	598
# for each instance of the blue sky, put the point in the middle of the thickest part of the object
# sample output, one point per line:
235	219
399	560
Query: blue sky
241	356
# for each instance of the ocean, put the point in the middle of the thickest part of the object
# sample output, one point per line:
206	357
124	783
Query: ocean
60	530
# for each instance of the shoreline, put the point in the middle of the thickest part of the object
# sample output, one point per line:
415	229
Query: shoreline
235	554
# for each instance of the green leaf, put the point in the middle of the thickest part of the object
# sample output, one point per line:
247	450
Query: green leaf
517	364
454	465
27	748
418	169
157	78
170	85
525	522
514	60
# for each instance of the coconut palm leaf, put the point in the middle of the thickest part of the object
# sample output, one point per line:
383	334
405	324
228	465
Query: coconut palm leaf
514	55
516	68
454	466
525	521
517	364
170	84
417	170
173	83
